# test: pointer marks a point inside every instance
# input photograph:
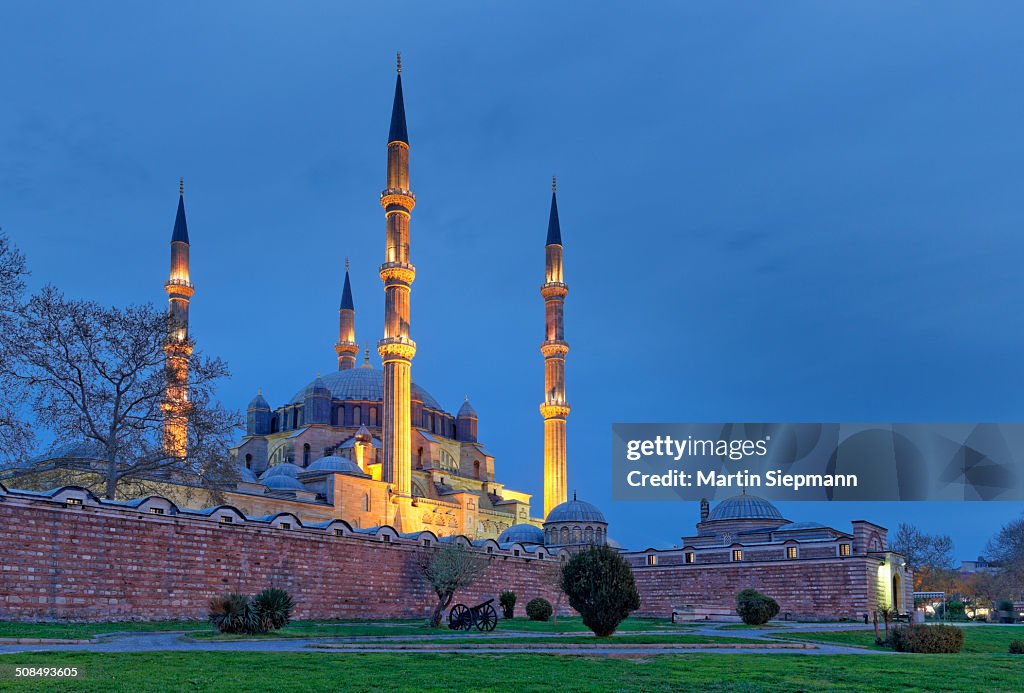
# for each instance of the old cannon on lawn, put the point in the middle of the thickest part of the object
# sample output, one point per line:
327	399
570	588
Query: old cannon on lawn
463	617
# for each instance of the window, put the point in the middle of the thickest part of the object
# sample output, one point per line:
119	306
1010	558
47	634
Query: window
286	525
652	559
339	532
737	554
690	557
366	502
426	542
490	549
305	455
73	501
156	511
248	461
476	469
844	549
373	416
515	552
790	552
357	416
226	519
386	538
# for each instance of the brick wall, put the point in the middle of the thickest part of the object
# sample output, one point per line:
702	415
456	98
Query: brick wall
91	563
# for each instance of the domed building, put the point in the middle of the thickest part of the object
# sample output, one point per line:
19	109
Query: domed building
575	523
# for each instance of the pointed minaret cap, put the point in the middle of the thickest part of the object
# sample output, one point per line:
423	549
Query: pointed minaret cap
554	230
366	360
466	411
363	435
180	232
346	292
398	132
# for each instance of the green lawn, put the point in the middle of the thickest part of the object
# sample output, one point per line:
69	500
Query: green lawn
556	640
744	626
82	631
231	672
977	639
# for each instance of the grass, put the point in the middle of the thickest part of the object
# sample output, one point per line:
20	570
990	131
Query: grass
557	640
84	631
977	639
234	672
744	626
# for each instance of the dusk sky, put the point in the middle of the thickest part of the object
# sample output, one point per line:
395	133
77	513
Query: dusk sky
785	212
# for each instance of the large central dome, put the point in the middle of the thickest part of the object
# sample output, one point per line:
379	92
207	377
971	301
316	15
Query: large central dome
363	385
744	507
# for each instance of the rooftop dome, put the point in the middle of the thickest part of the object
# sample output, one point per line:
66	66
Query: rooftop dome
248	475
575	511
282	482
283	469
744	507
522	533
467	410
334	463
362	385
259	402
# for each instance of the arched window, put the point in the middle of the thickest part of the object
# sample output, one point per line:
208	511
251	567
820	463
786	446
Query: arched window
588	535
419	459
373	416
305	455
295	417
565	535
599	536
577	535
273	423
366	502
357	416
248	461
476	469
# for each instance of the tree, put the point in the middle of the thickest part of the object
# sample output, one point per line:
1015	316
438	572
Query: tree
1006	552
930	556
755	608
448	569
15	434
97	375
599	584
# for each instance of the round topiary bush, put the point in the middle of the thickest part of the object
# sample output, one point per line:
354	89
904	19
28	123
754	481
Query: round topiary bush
539	609
1017	647
755	608
928	639
599	584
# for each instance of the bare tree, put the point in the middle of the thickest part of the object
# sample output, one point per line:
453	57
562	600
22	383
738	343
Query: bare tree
448	569
1006	552
98	375
15	434
930	556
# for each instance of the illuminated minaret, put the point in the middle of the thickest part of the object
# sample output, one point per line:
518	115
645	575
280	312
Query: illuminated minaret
396	349
554	409
178	347
346	348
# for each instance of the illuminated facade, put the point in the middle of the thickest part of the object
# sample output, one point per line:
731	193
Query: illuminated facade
178	347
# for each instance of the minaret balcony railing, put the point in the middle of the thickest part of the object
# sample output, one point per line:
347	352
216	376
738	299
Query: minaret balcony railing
400	271
554	289
396	349
554	347
179	288
405	199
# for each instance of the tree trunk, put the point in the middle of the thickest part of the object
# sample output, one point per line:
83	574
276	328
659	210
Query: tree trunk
111	478
442	603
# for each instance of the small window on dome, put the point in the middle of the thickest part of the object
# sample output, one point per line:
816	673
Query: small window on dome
690	557
790	552
737	554
652	559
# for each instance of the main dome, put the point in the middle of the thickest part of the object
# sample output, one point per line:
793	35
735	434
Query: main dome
362	385
744	507
575	511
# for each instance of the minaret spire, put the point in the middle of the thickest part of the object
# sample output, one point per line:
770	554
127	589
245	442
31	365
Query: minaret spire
396	349
554	409
346	348
178	347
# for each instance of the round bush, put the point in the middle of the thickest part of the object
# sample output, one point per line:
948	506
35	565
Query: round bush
927	639
755	608
599	584
1017	647
507	600
539	609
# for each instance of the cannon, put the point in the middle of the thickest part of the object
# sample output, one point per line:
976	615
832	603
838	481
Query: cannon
483	616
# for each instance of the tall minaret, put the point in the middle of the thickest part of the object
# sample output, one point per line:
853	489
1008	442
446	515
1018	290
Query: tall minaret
396	349
554	409
347	348
178	347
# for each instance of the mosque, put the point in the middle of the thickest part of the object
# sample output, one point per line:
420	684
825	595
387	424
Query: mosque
371	446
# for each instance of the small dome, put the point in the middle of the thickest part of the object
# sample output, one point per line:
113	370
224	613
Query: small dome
247	475
745	507
363	435
259	403
317	388
466	411
522	533
283	483
334	463
575	511
283	469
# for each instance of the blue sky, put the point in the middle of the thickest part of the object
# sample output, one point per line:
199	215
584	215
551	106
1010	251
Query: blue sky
794	212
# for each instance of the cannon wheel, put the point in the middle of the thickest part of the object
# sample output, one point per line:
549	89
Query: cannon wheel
487	619
459	617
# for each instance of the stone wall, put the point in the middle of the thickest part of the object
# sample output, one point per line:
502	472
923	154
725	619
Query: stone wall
92	562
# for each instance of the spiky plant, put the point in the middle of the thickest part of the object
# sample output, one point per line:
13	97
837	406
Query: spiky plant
272	609
232	613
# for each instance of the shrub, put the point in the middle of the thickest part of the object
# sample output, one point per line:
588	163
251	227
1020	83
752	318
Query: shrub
755	608
599	584
272	608
232	614
926	639
539	609
955	609
1017	647
507	599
